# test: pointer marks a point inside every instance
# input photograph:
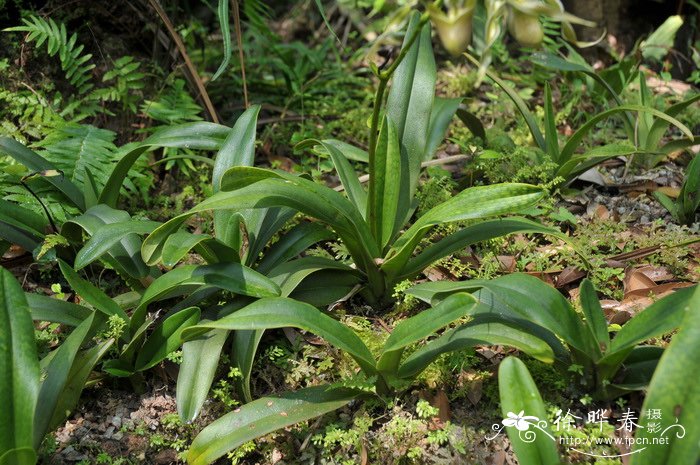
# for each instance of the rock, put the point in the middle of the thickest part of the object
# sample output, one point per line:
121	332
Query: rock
117	422
165	457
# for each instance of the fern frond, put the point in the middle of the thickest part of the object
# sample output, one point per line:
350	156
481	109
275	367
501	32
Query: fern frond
77	67
73	148
174	106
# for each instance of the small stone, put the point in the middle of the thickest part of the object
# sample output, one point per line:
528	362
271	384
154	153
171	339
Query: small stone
117	422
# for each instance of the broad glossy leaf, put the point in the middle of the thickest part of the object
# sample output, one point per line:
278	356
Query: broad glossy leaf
263	416
108	235
420	326
185	279
675	392
200	359
389	184
472	203
519	395
82	366
198	135
410	101
290	274
282	312
518	296
570	147
46	308
348	177
257	188
56	377
125	254
326	287
661	317
91	294
595	318
293	243
237	150
482	231
21	226
179	244
245	346
37	163
482	330
165	338
19	383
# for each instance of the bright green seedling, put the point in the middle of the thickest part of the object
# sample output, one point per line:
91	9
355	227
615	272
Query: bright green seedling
610	367
387	372
685	206
372	222
572	164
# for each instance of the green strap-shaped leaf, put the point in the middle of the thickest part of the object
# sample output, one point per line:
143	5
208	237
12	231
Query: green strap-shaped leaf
245	346
675	393
293	243
237	150
37	163
124	253
282	312
441	116
263	416
108	235
410	102
472	203
390	169
551	137
572	144
479	232
421	326
595	318
515	297
200	359
91	294
661	317
348	177
290	274
232	277
179	244
257	188
83	364
520	396
46	308
19	383
21	226
224	23
579	164
349	151
57	376
165	338
658	128
482	330
198	135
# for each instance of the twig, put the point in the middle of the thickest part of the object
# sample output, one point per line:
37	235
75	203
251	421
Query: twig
239	41
188	63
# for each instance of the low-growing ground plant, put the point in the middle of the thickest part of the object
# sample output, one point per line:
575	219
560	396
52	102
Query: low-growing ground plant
605	367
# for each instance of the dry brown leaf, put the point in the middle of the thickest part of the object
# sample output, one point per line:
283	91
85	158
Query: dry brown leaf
569	275
657	273
507	262
442	403
672	192
635	280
